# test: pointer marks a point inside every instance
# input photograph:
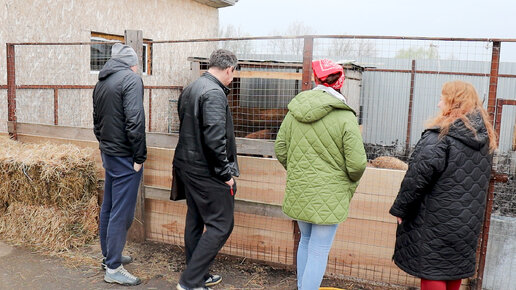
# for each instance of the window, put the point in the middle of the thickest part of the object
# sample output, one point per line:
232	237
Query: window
101	53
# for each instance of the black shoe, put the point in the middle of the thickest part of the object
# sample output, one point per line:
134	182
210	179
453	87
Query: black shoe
212	280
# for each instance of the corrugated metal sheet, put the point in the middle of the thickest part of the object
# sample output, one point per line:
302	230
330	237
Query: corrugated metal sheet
385	97
507	90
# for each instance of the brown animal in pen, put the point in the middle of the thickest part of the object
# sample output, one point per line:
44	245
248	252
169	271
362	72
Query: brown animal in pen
389	162
262	134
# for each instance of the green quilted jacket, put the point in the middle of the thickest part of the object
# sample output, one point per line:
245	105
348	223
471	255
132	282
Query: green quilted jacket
320	145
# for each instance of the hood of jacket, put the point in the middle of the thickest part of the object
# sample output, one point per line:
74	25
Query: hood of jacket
475	139
112	66
311	106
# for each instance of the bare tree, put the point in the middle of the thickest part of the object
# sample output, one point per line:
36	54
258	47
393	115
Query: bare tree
239	47
351	48
292	46
431	52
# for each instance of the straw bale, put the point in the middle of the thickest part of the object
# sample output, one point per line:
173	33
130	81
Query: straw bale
48	195
389	162
49	228
46	174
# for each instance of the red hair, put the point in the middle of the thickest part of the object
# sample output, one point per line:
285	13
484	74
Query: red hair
460	99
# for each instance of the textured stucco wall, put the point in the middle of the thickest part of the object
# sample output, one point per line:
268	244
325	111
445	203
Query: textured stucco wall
73	21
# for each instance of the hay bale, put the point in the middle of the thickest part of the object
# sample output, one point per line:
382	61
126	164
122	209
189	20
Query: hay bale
48	195
46	174
389	162
49	228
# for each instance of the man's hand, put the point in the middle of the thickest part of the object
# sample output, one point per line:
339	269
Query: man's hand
230	182
400	220
137	166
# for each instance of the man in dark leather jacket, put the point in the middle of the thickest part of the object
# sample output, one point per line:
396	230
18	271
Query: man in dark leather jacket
205	163
119	125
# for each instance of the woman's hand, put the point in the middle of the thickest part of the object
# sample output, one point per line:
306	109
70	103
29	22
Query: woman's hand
399	220
230	182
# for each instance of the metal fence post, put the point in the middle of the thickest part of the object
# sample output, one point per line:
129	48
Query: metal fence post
411	105
134	38
11	92
308	50
491	107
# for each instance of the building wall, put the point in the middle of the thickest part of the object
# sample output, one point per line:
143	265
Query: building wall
73	21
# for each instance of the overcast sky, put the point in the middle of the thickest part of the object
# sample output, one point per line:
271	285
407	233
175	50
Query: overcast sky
447	18
436	18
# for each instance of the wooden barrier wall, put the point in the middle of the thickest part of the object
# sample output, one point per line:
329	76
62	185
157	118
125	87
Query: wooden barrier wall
364	243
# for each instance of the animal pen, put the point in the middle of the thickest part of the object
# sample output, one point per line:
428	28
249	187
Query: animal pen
393	84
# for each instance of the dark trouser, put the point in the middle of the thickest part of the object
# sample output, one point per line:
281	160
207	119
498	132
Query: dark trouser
117	211
210	204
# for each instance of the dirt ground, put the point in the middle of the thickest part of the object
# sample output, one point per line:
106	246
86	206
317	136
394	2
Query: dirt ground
158	265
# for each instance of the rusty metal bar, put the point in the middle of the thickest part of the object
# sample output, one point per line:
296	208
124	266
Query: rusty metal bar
429	72
164	87
293	37
307	63
150	110
56	106
411	104
296	235
493	80
499	109
80	87
53	87
11	91
491	107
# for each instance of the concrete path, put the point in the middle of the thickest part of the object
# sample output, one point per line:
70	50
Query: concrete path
22	269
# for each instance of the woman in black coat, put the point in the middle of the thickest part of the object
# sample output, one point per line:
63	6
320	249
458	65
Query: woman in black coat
441	202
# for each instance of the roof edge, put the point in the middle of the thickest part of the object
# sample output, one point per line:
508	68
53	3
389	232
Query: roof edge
218	3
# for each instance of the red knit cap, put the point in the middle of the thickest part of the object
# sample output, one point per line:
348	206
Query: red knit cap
325	67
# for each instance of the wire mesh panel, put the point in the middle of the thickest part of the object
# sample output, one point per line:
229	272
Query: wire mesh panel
393	85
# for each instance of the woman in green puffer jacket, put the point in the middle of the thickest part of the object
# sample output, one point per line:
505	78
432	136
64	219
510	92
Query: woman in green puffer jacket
320	145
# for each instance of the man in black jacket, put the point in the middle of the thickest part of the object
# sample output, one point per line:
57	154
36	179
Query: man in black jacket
119	125
205	163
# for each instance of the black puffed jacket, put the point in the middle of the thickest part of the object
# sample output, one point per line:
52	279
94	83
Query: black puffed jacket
118	114
442	202
206	144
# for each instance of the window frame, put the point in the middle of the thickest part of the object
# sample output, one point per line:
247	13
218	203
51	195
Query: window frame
113	38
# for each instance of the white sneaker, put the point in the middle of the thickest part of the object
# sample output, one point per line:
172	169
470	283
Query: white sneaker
121	276
180	287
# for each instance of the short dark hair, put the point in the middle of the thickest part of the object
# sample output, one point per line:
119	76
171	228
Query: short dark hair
222	59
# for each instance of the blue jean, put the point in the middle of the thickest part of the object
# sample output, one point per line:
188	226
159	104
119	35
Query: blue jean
312	254
117	211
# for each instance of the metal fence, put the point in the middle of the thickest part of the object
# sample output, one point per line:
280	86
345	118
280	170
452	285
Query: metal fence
393	84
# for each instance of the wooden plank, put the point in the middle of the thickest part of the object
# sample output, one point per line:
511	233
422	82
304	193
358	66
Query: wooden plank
158	167
254	236
160	140
134	38
246	206
370	206
75	133
277	75
381	181
367	233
